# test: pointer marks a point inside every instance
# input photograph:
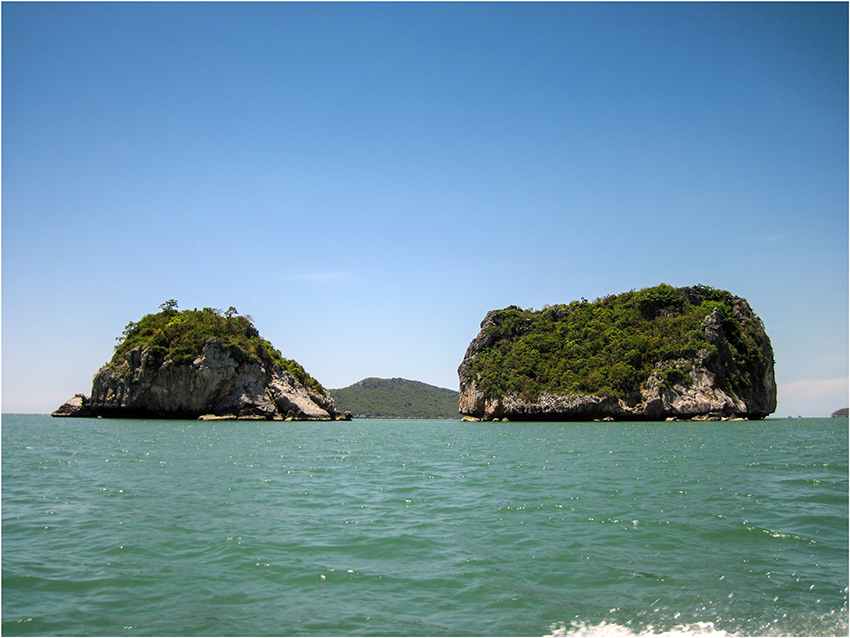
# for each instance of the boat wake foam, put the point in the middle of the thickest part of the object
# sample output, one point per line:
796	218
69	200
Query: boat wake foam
613	630
833	624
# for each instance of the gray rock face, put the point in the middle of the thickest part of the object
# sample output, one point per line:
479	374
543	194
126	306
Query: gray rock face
78	407
214	384
698	397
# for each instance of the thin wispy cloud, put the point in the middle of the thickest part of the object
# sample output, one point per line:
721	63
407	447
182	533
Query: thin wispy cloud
816	388
320	277
771	238
817	397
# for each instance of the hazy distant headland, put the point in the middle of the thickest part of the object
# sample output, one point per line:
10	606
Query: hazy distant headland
396	398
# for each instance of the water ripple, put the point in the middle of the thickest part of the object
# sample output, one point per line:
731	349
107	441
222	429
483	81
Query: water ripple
423	528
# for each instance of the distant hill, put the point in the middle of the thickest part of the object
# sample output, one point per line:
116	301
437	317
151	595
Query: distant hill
396	398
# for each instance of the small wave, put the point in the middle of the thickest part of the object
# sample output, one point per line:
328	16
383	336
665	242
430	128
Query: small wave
613	630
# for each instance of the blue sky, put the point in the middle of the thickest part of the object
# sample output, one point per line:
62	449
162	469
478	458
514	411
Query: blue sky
368	180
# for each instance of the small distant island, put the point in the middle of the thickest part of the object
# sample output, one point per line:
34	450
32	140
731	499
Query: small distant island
397	399
200	364
659	353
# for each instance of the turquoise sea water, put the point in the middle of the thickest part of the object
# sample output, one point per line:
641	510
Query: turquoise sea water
412	528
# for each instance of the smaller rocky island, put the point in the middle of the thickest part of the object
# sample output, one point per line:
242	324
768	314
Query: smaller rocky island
693	353
200	364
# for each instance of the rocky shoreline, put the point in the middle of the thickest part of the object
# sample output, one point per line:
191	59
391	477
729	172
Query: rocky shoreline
610	419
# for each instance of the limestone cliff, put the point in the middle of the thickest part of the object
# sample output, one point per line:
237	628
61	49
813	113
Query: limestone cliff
659	353
213	384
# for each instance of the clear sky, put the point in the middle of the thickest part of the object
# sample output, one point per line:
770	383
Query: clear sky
368	180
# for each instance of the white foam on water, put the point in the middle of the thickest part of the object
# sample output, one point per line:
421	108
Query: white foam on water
613	630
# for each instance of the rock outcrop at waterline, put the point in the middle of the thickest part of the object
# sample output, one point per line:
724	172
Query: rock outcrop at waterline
659	353
77	406
178	366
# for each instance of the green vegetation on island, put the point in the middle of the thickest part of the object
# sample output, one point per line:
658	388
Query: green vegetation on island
180	336
610	346
396	398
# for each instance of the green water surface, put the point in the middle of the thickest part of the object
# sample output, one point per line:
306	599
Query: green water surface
412	528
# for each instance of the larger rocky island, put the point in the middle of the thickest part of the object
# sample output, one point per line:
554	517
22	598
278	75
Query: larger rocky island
658	353
200	364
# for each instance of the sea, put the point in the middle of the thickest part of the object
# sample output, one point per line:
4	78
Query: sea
424	528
